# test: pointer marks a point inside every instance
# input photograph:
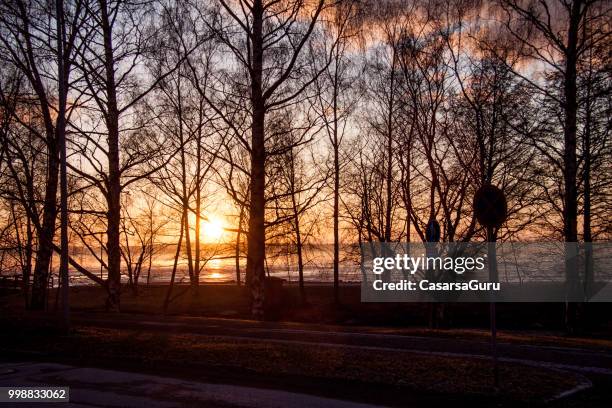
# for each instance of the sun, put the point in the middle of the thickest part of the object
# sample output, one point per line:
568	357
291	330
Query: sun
215	275
212	229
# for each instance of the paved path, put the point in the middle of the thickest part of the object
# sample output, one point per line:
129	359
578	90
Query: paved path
582	360
93	387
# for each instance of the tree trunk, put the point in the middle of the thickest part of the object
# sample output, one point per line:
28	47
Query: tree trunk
38	298
174	266
586	226
185	198
386	276
336	219
113	196
336	146
27	273
570	210
569	130
389	172
298	241
61	138
256	250
198	217
238	236
407	199
296	226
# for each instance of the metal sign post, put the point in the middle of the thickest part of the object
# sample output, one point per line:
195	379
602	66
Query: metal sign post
492	260
432	236
432	231
491	210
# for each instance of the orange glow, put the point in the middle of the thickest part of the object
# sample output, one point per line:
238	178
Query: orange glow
212	229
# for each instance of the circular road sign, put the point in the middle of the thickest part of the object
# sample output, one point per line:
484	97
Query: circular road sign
490	206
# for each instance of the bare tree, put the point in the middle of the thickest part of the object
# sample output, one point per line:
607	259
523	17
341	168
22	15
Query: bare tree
140	235
558	34
488	114
295	188
114	140
336	100
31	31
183	113
270	52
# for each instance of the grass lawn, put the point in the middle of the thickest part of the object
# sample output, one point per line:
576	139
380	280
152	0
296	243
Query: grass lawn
517	323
